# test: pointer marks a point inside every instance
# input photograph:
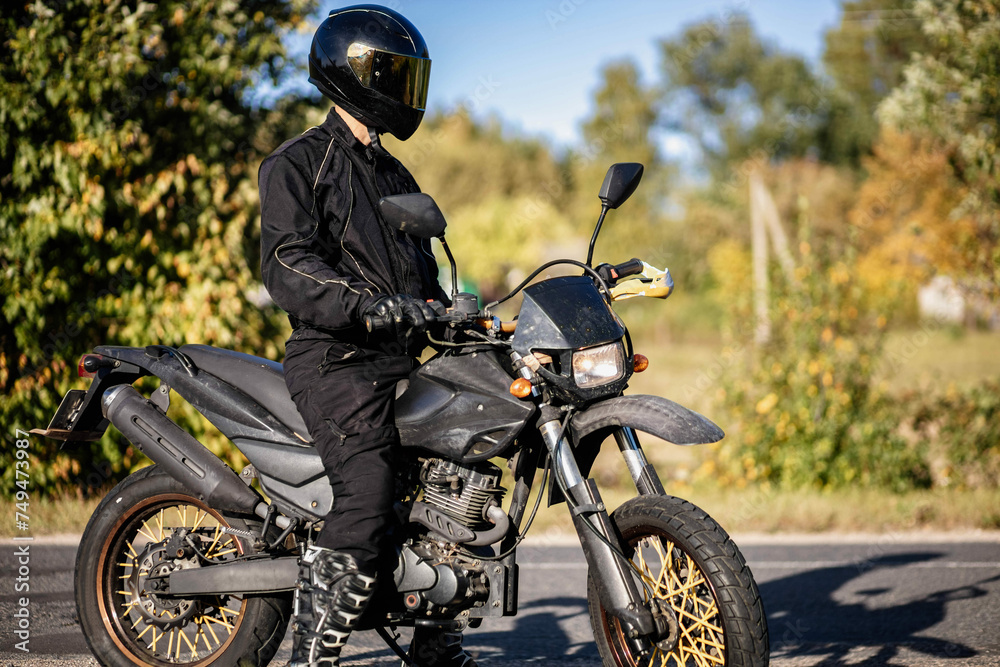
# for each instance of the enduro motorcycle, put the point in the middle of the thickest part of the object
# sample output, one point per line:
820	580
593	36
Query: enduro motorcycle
185	562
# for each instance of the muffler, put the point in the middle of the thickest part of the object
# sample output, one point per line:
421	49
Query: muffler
177	451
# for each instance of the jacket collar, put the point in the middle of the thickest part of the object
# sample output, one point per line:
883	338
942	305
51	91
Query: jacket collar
335	126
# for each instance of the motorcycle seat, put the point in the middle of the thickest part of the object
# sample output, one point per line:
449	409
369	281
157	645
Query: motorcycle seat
261	379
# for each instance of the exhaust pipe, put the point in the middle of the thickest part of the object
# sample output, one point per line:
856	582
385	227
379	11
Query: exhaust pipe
502	523
177	451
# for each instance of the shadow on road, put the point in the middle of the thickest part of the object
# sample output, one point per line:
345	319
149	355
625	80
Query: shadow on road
824	616
541	634
806	618
852	614
538	634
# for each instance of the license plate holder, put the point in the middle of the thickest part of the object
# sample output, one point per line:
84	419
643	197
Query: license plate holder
69	410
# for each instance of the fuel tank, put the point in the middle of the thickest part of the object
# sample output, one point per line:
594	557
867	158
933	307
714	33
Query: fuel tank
458	406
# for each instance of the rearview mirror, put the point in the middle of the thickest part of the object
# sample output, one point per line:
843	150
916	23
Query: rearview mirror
619	183
416	214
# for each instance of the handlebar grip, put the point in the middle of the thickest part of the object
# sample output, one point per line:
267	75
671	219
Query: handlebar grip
441	314
629	268
375	322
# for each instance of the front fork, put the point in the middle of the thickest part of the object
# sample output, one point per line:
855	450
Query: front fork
647	482
616	585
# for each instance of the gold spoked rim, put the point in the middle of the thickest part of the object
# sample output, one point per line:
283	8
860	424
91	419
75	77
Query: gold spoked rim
676	579
158	630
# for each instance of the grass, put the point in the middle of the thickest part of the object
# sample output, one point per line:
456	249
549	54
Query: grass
930	359
758	509
755	510
746	510
56	516
851	510
685	367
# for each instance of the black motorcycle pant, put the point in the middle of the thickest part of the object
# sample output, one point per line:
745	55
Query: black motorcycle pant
345	394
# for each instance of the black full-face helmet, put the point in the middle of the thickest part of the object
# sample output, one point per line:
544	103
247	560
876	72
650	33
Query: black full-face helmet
374	64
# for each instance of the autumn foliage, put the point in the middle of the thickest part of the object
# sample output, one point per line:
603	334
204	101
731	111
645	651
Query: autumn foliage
127	196
128	213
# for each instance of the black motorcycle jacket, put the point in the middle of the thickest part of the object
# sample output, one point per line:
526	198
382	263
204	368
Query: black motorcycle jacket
326	252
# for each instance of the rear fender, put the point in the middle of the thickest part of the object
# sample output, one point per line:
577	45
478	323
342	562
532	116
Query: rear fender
234	413
231	411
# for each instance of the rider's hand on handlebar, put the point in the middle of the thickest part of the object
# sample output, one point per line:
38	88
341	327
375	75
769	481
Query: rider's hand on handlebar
400	312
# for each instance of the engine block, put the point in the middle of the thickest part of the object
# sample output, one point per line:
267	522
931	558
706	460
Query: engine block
463	493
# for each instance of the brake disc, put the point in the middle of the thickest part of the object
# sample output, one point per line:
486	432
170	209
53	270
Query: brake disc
151	566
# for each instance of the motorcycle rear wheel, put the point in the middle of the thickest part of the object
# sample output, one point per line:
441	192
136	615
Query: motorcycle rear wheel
124	621
691	565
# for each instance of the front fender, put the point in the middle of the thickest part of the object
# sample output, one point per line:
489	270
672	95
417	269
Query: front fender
657	416
650	414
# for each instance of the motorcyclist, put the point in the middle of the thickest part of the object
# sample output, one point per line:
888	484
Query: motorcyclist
329	259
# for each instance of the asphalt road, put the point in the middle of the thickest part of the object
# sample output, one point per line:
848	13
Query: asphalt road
877	600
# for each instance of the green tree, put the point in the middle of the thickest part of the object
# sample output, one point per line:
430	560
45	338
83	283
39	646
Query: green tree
127	190
805	409
621	128
865	55
502	195
498	241
738	96
461	162
952	96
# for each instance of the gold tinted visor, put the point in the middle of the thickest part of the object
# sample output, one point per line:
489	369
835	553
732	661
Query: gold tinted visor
403	78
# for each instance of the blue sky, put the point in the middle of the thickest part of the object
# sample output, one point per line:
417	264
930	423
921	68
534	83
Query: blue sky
536	64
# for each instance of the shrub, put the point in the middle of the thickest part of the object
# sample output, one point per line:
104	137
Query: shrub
960	430
804	409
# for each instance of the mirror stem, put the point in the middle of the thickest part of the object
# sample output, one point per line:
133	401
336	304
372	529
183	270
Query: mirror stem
597	230
454	268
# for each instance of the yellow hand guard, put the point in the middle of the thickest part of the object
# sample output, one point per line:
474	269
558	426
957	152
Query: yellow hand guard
652	282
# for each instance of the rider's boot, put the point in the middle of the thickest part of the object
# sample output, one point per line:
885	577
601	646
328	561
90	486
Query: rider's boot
435	647
331	594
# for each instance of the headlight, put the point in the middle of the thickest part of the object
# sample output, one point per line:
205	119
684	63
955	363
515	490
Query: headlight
598	365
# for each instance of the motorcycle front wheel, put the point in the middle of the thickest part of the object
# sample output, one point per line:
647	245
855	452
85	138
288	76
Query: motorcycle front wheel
144	528
696	574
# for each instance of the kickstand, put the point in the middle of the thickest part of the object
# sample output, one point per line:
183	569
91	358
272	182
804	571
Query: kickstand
390	640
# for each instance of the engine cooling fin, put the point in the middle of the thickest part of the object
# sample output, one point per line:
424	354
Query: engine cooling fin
462	493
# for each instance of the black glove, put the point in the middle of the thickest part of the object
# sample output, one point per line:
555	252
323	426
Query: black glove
401	312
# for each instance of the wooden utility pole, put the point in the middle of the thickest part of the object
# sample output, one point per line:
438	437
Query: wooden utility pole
769	211
764	220
758	245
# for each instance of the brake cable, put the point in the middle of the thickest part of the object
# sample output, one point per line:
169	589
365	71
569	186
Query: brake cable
575	506
586	269
527	525
482	343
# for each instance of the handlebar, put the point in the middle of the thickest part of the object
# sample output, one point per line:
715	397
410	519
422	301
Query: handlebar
377	322
611	273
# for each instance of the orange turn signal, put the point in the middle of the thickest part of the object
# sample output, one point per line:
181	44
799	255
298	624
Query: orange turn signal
520	388
640	362
88	365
